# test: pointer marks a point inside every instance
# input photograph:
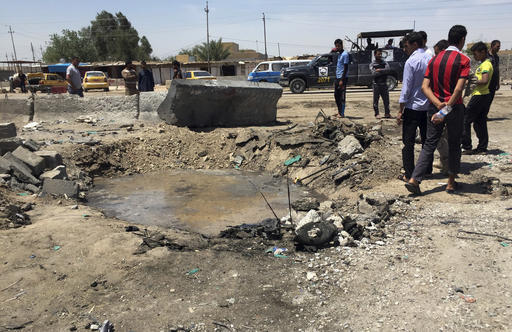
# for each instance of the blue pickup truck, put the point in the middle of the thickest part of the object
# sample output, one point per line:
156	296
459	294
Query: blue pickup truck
270	71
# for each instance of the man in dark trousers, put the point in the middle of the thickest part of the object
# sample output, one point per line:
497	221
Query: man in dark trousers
478	106
443	85
340	84
379	69
495	60
176	70
146	81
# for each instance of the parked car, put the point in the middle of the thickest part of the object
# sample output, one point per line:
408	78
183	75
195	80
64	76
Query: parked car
95	80
47	83
321	71
269	71
34	78
199	75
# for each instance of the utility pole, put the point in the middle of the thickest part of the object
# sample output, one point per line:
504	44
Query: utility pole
206	10
13	47
33	54
279	49
265	36
414	25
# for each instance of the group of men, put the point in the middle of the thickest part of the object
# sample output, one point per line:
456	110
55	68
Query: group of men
431	100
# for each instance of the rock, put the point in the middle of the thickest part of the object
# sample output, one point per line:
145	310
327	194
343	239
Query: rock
326	206
31	145
58	172
377	129
296	139
31	188
35	162
60	187
311	217
306	204
19	169
7	130
52	159
9	144
244	137
311	276
336	221
364	207
349	146
341	176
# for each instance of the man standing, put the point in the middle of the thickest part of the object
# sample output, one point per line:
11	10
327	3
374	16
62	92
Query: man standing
443	86
413	103
369	45
146	81
495	60
379	69
340	84
478	106
389	45
177	74
23	80
130	79
73	78
425	39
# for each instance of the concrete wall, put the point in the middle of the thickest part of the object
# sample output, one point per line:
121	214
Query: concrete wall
19	111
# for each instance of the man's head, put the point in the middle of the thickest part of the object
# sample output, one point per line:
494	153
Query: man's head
424	36
413	41
440	46
129	64
495	46
479	51
75	61
378	54
338	44
143	64
390	41
457	36
175	64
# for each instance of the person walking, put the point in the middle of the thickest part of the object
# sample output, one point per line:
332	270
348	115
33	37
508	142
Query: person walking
146	80
130	79
443	85
478	106
380	69
413	102
73	78
23	81
495	60
340	84
177	74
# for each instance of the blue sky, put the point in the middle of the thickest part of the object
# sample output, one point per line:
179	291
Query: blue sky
298	26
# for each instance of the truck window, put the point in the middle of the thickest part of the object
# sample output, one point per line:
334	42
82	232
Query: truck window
324	61
262	67
279	66
298	63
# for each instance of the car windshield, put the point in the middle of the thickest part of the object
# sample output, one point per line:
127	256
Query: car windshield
312	62
201	74
95	74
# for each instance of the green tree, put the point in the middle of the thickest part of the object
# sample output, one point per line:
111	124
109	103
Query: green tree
69	44
217	51
145	49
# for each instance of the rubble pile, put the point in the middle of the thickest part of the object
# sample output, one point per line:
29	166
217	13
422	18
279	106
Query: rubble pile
12	215
23	166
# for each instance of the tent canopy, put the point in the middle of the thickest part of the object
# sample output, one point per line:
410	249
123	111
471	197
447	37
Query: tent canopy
61	67
383	34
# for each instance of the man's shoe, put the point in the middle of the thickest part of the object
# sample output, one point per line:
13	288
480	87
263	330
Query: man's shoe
468	152
387	116
480	151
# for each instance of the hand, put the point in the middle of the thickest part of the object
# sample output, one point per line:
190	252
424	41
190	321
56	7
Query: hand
399	118
437	119
341	84
439	105
377	70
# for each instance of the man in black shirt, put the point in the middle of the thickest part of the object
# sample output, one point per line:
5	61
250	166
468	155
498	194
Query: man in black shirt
379	68
176	70
495	59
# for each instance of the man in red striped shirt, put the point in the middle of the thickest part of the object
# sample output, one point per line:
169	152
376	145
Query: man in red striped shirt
443	85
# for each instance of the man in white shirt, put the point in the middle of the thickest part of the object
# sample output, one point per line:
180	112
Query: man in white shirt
73	78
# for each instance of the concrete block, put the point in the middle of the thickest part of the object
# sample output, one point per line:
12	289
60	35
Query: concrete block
52	159
196	103
31	145
148	105
19	111
19	169
7	130
60	187
9	144
349	146
5	166
35	162
58	172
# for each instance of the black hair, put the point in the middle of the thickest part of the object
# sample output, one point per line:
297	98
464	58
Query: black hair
176	63
128	62
457	32
494	42
423	35
442	44
75	58
143	62
479	47
377	50
390	41
416	38
338	41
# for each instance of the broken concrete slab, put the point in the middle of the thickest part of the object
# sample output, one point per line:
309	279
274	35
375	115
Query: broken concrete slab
31	145
58	172
9	144
19	111
297	139
349	146
197	103
52	159
7	130
148	105
35	162
19	169
60	187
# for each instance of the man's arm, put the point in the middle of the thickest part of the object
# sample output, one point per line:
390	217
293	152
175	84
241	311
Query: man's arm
406	91
68	78
484	80
427	91
372	69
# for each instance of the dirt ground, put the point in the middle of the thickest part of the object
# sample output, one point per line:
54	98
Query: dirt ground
73	267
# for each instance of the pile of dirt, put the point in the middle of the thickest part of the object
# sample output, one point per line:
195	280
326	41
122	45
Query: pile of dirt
12	213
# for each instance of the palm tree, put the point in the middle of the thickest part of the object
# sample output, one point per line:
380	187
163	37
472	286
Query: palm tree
217	51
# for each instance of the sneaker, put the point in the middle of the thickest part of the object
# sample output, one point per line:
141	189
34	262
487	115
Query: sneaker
387	116
468	152
480	151
377	116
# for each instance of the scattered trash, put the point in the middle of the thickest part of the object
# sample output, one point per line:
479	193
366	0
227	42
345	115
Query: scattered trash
85	215
56	248
22	194
447	222
504	244
107	326
311	276
293	160
32	256
277	252
131	229
32	126
467	298
193	271
458	290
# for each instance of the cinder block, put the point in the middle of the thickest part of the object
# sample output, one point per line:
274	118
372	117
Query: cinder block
60	187
9	144
19	169
196	103
52	159
7	130
35	162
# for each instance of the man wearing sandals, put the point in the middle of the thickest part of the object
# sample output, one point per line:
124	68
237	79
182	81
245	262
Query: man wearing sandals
443	85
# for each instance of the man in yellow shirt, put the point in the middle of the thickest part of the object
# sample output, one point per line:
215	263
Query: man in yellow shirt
478	106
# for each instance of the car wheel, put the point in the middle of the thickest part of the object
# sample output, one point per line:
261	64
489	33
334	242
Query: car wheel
263	81
85	90
297	85
391	83
106	89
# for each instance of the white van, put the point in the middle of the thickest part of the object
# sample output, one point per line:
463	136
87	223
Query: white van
269	71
